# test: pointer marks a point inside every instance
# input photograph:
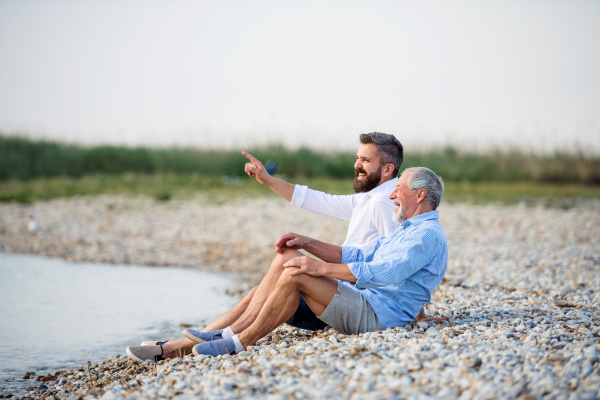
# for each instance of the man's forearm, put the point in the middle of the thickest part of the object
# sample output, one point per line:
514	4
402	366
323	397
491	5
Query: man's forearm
337	271
282	188
329	253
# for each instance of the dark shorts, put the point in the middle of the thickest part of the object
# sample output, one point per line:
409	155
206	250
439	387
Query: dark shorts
304	318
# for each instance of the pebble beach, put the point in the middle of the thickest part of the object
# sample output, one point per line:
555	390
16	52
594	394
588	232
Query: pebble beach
521	290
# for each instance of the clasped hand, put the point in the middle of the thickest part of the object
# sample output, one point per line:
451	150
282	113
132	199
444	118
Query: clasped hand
304	265
298	265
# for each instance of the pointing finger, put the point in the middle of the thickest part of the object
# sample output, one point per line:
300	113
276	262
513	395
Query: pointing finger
251	157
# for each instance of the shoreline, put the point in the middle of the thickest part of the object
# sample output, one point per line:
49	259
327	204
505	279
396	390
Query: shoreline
521	286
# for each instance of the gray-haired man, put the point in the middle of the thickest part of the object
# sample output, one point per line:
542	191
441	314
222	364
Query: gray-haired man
378	161
355	289
370	210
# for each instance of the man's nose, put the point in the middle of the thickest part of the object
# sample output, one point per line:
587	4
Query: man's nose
357	164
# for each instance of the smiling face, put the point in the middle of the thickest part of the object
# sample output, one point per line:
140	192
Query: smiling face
367	168
407	202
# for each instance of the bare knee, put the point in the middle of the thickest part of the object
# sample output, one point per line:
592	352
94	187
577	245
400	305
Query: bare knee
281	259
291	281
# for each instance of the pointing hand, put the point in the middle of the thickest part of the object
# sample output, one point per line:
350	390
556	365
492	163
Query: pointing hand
255	169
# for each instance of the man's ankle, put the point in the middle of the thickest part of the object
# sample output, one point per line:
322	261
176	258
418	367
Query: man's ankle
238	344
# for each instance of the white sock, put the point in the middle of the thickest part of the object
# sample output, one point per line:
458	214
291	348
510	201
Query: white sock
238	345
227	333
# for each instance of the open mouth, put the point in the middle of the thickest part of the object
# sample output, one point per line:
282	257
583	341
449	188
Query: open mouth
360	174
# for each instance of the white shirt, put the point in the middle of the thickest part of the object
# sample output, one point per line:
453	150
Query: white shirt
370	213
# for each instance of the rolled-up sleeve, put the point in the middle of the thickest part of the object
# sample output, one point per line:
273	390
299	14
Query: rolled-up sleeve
350	254
299	195
411	256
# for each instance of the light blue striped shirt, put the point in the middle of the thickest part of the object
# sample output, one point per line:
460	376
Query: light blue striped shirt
396	274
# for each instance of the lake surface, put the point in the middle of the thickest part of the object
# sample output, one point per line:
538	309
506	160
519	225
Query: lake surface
56	314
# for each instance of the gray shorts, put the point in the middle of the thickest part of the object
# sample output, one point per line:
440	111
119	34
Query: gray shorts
350	313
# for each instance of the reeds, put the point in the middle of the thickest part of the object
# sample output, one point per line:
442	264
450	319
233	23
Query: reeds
23	159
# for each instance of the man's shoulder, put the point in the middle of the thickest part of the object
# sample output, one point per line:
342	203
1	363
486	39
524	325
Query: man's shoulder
381	194
384	189
382	201
432	229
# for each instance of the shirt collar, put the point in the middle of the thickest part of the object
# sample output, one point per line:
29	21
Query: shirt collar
435	214
386	187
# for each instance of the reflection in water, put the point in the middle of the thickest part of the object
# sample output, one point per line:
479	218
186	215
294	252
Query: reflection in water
57	314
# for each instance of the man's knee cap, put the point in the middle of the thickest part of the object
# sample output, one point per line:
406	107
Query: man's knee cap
288	279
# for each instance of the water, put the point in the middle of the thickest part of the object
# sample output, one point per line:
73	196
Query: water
56	314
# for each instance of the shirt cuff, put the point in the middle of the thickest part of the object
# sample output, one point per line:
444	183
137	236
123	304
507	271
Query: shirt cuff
362	273
349	254
299	195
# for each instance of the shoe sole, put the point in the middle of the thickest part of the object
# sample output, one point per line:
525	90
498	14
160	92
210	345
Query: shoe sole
193	338
194	351
130	354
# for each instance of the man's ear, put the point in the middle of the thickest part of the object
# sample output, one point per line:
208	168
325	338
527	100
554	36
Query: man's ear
389	169
421	195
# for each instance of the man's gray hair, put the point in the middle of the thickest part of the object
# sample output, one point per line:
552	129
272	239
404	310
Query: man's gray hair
424	178
390	148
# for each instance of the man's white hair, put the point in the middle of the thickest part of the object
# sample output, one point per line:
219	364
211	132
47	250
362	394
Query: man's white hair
424	178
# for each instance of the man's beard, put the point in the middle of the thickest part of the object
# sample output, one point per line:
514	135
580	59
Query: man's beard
370	182
399	216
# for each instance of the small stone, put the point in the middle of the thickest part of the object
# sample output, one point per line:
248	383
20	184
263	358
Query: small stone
414	366
558	357
423	325
47	378
243	369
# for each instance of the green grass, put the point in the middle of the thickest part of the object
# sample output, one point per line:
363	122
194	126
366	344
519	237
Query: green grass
22	159
556	195
40	170
164	187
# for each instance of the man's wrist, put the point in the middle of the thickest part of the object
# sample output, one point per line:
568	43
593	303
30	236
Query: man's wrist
307	245
270	181
322	269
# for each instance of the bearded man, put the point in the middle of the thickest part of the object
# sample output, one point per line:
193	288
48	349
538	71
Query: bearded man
381	285
369	211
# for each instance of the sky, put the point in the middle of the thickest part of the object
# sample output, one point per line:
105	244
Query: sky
233	74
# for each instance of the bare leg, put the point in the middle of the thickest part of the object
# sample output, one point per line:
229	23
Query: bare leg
423	317
184	345
232	315
264	290
283	302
